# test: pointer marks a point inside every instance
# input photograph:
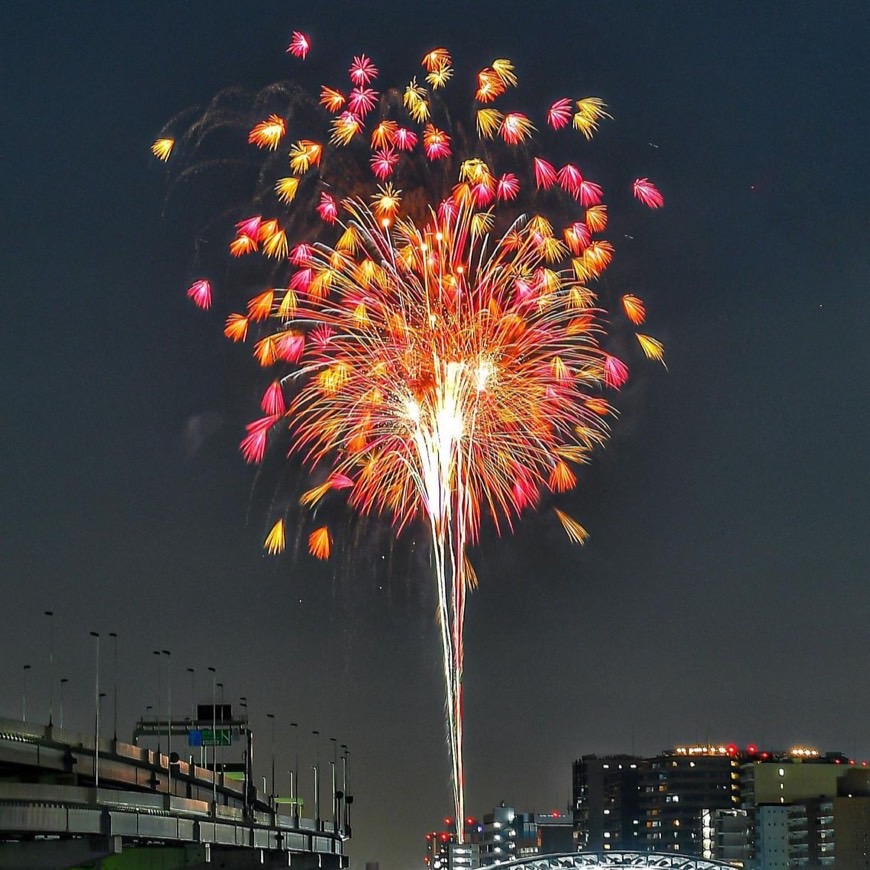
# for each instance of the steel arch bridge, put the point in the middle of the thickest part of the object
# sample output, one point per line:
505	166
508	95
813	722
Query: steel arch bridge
608	859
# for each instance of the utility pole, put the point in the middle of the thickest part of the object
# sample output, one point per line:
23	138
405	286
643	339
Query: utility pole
96	635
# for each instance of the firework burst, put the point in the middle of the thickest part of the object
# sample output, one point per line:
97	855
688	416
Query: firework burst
436	354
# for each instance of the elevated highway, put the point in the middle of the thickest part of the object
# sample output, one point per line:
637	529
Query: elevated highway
67	801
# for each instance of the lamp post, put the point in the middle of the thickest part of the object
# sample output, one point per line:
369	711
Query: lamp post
194	714
343	785
114	636
24	693
50	614
96	636
63	682
220	749
156	654
316	735
294	788
271	716
334	765
347	798
243	706
168	655
213	673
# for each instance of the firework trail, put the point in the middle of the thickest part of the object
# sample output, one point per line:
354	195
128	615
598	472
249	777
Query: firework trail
438	353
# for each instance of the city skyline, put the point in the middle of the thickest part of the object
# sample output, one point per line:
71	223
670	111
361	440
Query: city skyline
723	588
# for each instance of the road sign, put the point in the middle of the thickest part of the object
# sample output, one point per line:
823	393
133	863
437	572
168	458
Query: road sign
209	737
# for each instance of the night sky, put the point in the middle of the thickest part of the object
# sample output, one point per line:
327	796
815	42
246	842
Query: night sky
723	592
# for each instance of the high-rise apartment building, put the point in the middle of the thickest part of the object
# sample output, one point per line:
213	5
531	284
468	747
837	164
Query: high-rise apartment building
786	796
606	799
795	810
681	791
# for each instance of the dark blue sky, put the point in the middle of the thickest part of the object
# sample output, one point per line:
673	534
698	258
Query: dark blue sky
723	592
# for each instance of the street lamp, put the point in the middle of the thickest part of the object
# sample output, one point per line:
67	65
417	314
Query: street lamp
213	673
294	787
50	614
316	735
96	636
219	749
168	655
272	790
63	682
334	765
246	733
24	694
156	653
348	799
114	636
343	785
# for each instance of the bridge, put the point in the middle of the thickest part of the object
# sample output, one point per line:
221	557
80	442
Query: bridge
69	800
608	859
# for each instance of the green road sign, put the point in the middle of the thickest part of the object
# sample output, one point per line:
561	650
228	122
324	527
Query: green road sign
217	737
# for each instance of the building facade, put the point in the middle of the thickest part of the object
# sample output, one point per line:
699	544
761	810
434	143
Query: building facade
794	810
606	802
681	791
